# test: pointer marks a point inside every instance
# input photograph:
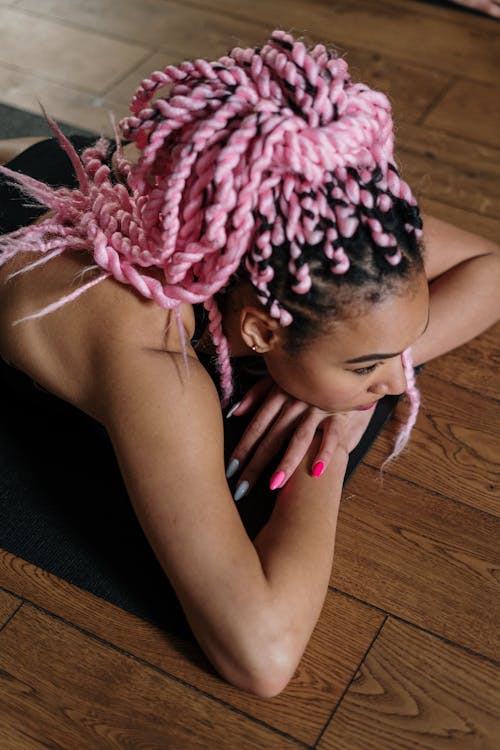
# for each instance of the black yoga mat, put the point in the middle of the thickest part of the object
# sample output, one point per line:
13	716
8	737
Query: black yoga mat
63	505
18	123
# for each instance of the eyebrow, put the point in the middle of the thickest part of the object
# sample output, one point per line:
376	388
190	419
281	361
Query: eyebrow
368	357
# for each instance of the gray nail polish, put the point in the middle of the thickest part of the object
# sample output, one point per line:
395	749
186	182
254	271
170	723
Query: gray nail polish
232	468
232	410
241	490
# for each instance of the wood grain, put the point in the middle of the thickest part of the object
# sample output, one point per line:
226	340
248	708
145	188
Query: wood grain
483	112
452	170
188	31
390	75
343	634
422	546
414	692
8	605
475	366
44	41
417	33
455	445
421	557
65	689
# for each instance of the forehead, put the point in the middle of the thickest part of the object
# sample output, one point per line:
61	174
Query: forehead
389	326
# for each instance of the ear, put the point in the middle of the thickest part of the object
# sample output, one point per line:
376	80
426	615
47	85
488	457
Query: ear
258	330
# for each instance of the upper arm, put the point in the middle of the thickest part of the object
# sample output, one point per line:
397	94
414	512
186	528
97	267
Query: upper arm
447	246
166	430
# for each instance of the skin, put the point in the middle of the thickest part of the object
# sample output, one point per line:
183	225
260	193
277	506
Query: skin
321	374
463	271
251	605
490	7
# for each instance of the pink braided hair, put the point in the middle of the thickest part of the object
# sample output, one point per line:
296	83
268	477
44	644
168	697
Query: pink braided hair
262	149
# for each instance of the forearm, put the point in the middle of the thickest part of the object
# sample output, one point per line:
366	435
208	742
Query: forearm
464	302
296	546
255	627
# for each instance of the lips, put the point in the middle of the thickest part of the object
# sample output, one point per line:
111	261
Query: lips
365	407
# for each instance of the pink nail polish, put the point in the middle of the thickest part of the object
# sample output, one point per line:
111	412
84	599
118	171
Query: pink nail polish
318	468
277	480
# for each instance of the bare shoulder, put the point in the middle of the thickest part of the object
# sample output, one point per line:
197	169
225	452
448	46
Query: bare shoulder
66	350
162	402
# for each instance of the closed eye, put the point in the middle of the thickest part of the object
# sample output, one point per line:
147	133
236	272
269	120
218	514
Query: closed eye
365	370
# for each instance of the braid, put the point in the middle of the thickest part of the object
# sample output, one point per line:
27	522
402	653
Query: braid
268	164
222	349
414	397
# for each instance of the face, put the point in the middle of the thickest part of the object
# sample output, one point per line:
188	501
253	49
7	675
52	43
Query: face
359	361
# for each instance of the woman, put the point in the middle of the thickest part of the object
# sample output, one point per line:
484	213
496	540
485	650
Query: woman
265	188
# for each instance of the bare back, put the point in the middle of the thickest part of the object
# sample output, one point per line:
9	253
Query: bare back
66	351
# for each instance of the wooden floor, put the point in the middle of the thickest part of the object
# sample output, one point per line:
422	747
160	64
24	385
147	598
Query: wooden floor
406	653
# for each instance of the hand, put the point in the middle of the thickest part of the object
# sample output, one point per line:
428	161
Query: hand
281	419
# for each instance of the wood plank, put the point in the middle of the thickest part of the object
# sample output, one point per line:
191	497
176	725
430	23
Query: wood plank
433	38
469	110
183	29
395	561
449	169
343	634
65	689
421	557
474	366
414	691
66	104
8	605
455	445
64	54
171	30
391	75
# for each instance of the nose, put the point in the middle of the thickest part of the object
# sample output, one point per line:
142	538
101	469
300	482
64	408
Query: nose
391	378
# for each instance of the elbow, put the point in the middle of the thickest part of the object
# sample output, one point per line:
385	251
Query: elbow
264	666
267	678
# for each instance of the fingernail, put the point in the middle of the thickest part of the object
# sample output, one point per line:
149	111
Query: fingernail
277	480
241	490
232	410
232	468
318	468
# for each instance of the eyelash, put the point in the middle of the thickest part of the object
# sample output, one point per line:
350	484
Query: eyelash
365	370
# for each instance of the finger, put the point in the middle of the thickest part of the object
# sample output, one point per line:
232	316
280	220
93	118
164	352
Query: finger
261	422
270	445
255	395
326	451
298	447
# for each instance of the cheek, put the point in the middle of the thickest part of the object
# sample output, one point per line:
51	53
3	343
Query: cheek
329	389
338	392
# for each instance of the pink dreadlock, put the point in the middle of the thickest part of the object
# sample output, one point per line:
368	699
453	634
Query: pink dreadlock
264	163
